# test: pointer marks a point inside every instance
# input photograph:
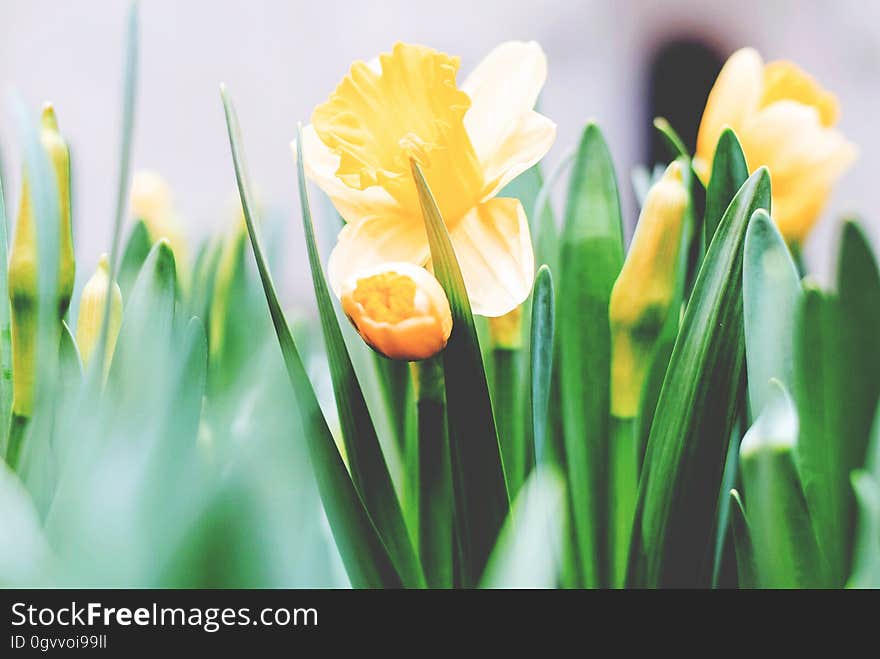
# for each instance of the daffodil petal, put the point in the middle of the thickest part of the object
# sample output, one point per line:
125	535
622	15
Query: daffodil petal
320	164
494	251
790	139
376	240
786	81
528	142
503	87
735	96
804	157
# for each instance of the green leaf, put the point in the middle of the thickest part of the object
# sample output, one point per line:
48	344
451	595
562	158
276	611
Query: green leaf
527	553
866	565
786	553
25	556
675	519
729	172
592	255
542	342
128	105
771	292
837	358
671	139
68	354
365	557
477	474
624	459
5	329
742	538
135	253
368	469
435	496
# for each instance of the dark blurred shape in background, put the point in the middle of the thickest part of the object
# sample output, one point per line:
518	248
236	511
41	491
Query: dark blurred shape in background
680	76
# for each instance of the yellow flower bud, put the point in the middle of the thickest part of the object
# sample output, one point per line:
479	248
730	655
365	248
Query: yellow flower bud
399	309
92	303
23	269
506	331
152	202
644	290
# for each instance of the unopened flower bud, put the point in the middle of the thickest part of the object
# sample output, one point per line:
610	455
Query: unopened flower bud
643	292
399	309
92	305
23	267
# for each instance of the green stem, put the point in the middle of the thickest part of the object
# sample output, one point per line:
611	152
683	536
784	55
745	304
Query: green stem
17	427
516	454
625	456
435	477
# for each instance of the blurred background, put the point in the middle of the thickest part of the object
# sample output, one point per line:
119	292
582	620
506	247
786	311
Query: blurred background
619	62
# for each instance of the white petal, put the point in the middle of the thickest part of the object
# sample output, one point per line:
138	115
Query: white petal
320	165
524	146
376	240
494	250
503	87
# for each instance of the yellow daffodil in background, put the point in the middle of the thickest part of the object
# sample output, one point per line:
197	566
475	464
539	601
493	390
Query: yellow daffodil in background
644	290
470	141
152	202
92	305
784	120
399	309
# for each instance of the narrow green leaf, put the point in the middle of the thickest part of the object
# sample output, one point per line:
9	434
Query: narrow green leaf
5	329
729	172
671	139
133	256
675	519
771	292
365	557
68	354
129	92
866	565
592	255
435	496
742	538
837	358
786	553
542	345
477	474
507	401
368	469
26	558
624	459
527	553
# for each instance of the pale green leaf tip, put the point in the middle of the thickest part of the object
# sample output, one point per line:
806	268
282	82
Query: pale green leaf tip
776	429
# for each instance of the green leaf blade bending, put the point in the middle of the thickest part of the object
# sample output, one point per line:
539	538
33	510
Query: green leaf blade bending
676	514
369	471
365	557
477	473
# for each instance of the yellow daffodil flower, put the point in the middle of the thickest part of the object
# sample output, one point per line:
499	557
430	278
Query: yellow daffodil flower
470	141
644	290
89	322
152	202
399	309
785	121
